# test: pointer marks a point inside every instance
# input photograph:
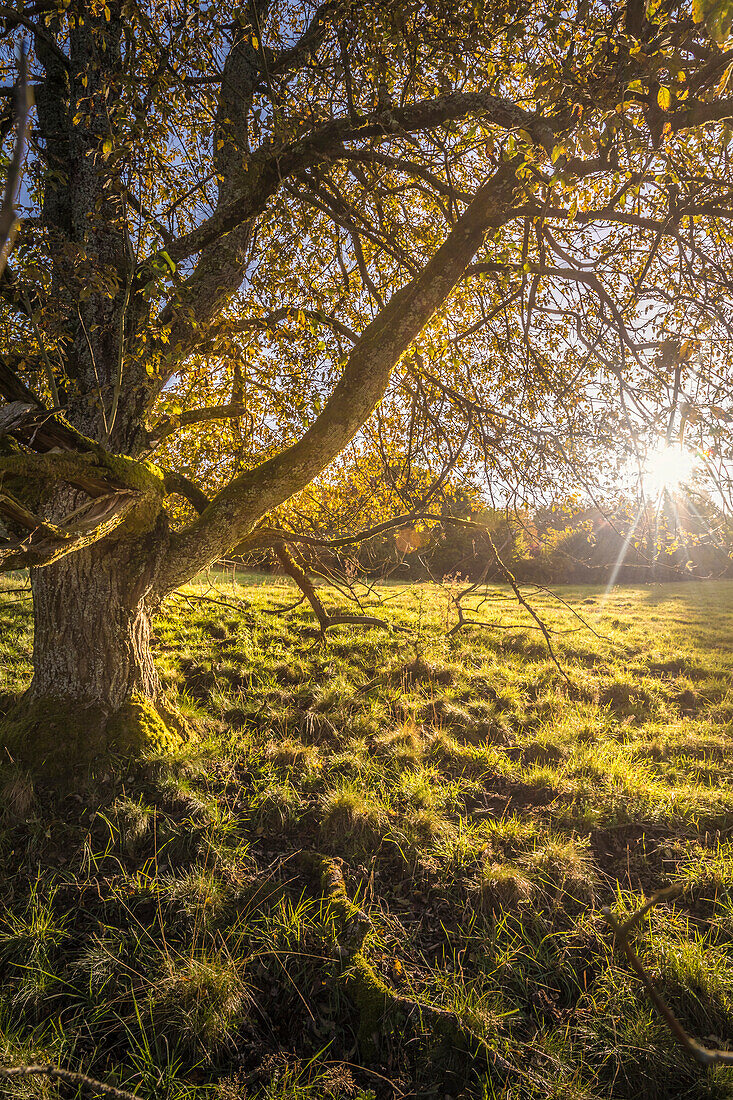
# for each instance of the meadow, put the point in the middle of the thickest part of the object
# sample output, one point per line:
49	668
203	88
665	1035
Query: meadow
378	866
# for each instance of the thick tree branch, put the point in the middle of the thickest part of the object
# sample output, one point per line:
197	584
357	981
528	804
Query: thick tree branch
11	386
176	484
8	217
269	166
13	16
309	41
95	474
239	505
39	429
695	114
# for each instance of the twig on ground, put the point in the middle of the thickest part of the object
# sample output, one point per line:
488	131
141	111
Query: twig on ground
55	1073
707	1056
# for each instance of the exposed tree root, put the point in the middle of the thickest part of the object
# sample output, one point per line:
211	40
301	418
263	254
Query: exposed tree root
383	1011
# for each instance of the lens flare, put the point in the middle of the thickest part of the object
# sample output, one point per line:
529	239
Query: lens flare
667	469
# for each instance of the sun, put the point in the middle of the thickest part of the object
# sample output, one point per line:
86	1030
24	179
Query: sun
667	469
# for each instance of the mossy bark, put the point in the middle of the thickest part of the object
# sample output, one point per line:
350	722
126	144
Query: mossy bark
59	739
382	1011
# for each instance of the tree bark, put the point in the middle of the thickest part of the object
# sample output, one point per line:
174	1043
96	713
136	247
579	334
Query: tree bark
92	616
95	689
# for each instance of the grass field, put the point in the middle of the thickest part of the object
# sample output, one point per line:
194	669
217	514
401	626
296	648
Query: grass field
181	928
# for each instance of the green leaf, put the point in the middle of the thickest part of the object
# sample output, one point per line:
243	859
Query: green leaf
717	15
169	261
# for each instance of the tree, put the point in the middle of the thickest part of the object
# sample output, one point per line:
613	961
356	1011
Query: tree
289	212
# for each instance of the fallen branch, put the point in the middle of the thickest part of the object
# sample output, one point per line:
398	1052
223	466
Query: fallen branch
462	620
379	1007
707	1056
55	1073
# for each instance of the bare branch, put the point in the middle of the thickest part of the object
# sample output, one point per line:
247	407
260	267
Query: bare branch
8	217
305	584
55	1073
705	1055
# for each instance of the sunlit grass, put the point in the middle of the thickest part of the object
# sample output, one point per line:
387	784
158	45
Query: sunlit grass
164	930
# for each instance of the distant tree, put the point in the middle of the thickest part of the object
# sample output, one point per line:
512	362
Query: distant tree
244	228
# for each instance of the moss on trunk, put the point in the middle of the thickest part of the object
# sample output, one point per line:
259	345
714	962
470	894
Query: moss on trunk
59	738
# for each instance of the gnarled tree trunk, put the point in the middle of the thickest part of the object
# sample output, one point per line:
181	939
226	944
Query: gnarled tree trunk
95	689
